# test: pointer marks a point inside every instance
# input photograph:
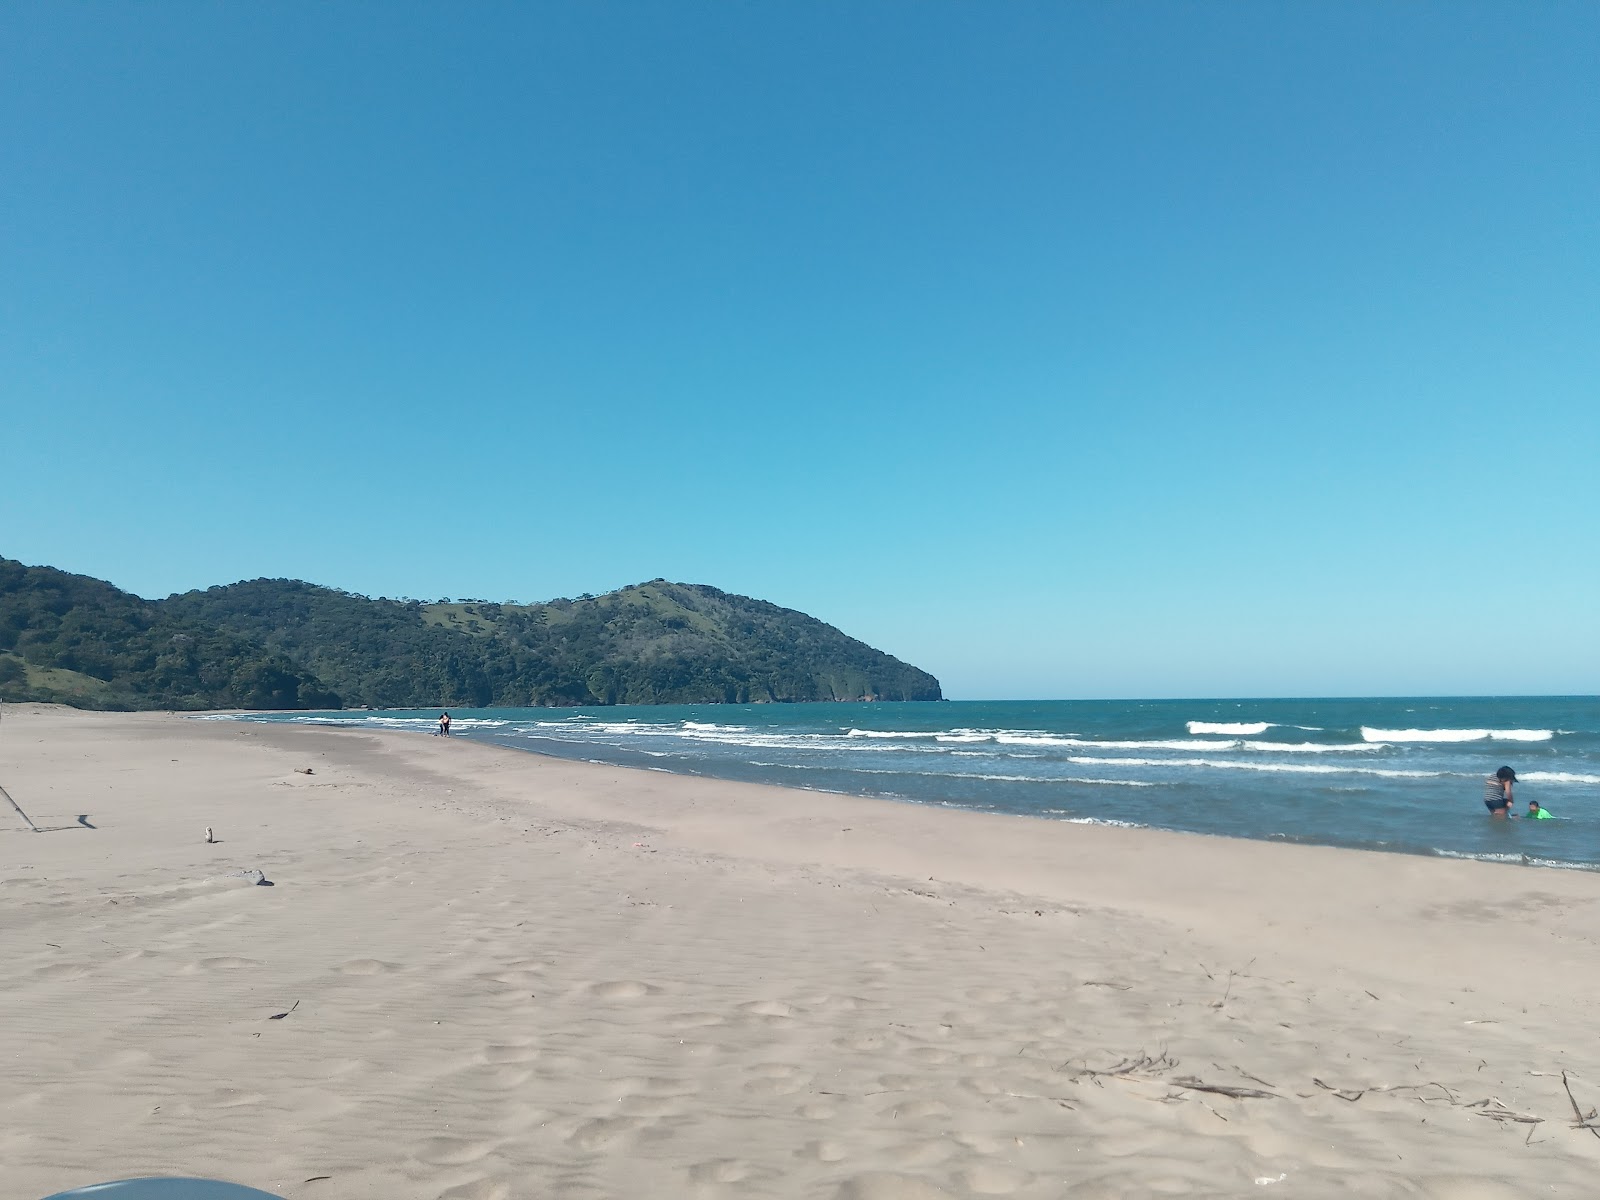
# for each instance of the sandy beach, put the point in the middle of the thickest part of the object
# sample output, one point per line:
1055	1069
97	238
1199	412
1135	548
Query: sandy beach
508	976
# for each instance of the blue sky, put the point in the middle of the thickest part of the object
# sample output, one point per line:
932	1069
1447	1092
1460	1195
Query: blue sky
1060	349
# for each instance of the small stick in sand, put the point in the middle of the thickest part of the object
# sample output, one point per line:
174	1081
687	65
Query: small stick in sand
1576	1111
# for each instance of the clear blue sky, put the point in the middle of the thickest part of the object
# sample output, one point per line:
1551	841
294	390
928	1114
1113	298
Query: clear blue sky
1130	349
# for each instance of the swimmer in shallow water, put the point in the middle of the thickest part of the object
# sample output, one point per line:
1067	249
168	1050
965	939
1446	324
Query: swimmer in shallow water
1497	793
1535	813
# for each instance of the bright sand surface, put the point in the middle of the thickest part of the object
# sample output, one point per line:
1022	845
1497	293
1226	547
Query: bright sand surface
513	976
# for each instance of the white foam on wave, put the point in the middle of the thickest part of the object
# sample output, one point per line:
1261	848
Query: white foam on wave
1316	747
1456	735
890	733
1048	739
702	726
1244	765
988	778
429	723
1556	777
1236	728
1526	860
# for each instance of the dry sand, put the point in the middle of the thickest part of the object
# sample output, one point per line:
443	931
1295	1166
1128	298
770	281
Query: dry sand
512	976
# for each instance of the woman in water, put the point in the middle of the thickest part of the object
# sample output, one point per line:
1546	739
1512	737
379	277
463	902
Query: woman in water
1497	792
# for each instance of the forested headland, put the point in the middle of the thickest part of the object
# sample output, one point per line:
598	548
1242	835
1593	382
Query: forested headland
283	643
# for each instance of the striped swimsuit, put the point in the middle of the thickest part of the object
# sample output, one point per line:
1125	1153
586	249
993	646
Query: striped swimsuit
1494	794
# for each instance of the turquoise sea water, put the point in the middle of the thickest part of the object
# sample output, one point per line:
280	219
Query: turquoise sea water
1402	775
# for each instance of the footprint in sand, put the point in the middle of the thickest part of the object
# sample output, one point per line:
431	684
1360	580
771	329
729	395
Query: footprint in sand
847	1004
233	1098
776	1079
222	963
658	1085
367	966
649	1106
823	1151
504	1053
1467	1187
721	1170
477	1189
621	989
602	1131
696	1020
980	1143
775	1070
61	971
917	1110
921	1154
992	1179
520	977
883	1186
767	1008
449	1151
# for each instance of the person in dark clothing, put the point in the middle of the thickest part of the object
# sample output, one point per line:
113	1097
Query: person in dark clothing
1497	792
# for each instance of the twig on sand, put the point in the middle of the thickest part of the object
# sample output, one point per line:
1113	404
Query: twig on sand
1497	1110
1121	987
1141	1065
1582	1121
282	1015
1354	1094
1254	1078
1192	1084
1350	1094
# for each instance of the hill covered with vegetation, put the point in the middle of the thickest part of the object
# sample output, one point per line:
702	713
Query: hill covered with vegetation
276	643
76	640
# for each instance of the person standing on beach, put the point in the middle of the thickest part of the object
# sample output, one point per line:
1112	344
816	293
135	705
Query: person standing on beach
1497	792
444	724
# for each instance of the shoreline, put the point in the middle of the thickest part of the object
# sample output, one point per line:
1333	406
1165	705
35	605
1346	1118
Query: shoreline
1531	857
519	974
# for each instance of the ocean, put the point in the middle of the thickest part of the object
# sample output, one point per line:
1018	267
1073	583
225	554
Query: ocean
1398	775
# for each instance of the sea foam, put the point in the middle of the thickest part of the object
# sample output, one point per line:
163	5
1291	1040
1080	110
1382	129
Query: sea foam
1242	765
1456	735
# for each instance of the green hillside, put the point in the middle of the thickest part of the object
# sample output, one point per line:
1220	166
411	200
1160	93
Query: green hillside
274	643
80	641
